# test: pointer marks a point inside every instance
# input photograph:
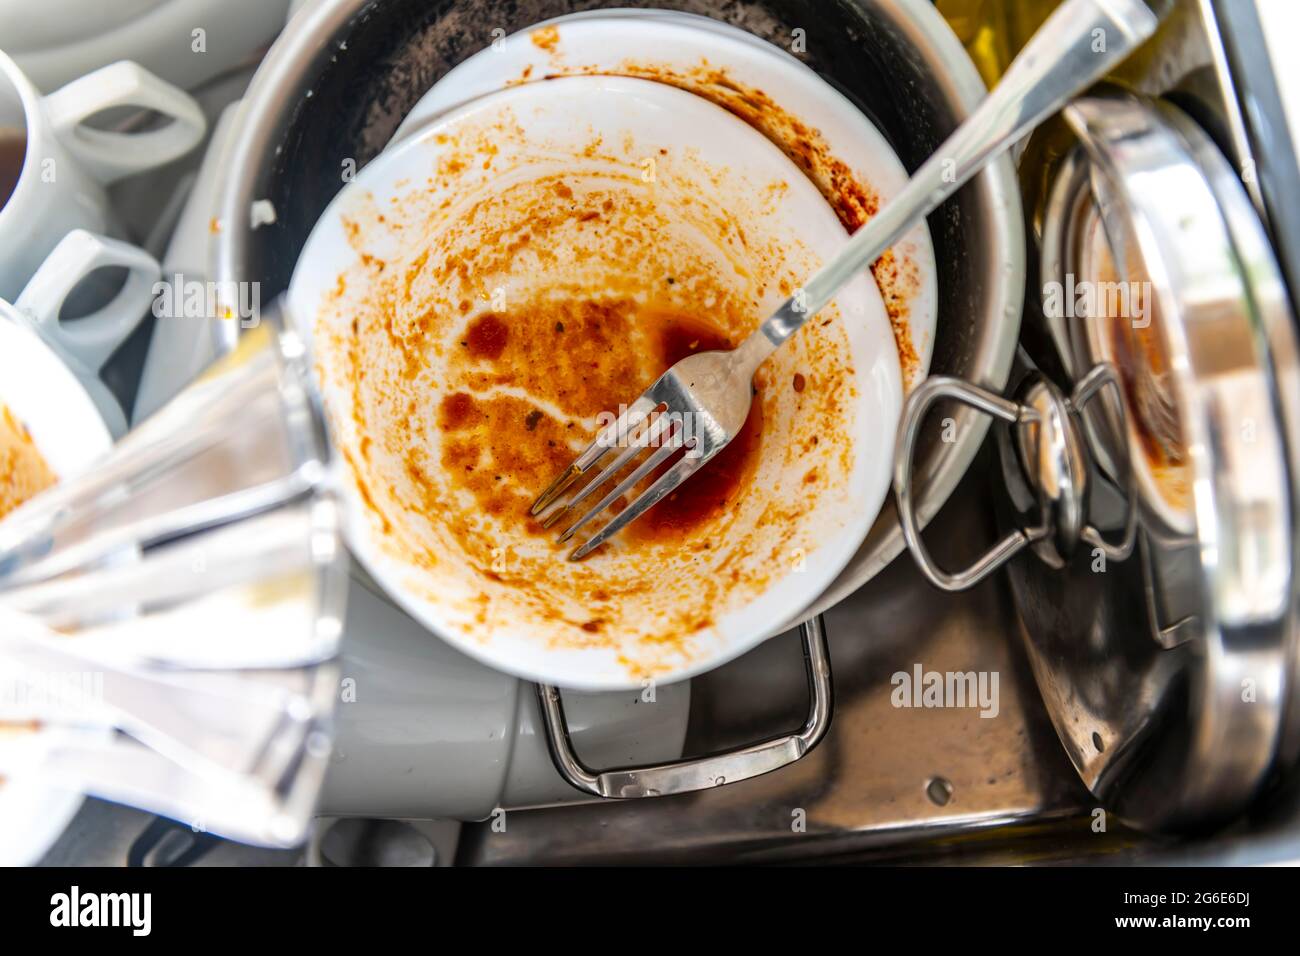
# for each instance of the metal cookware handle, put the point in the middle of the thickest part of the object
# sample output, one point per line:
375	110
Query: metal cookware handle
1063	516
918	403
1103	375
699	773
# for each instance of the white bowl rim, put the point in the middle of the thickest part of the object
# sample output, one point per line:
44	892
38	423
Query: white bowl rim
387	168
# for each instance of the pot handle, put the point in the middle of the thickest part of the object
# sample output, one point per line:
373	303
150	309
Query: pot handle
1066	482
699	773
923	396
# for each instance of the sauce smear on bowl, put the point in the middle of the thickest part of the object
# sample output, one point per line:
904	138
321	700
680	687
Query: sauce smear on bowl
716	486
23	471
503	442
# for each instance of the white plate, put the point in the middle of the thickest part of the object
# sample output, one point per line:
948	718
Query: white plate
784	216
71	436
691	50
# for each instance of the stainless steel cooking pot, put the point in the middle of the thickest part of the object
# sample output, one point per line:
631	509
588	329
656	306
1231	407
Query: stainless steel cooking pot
345	72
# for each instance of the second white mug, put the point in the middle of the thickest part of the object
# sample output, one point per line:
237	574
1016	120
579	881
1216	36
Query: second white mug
85	344
62	164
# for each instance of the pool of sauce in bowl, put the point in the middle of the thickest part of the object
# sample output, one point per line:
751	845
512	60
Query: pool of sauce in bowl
585	358
714	488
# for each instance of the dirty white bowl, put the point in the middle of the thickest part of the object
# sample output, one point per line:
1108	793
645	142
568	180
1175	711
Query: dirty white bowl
692	51
71	436
391	225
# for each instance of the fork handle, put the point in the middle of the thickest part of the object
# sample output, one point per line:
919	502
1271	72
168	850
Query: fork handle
1078	44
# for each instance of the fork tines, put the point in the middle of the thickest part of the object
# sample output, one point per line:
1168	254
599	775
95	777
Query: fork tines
642	425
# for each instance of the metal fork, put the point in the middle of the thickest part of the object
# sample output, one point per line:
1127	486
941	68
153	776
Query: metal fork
701	403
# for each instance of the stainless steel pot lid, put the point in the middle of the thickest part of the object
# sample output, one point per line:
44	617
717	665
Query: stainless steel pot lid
1169	677
1102	309
1168	668
1136	231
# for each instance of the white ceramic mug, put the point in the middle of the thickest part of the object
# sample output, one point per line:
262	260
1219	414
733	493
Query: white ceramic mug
85	344
67	164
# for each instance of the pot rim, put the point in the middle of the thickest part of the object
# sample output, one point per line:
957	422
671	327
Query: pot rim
315	28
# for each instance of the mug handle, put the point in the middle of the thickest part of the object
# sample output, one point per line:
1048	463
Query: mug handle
91	340
110	156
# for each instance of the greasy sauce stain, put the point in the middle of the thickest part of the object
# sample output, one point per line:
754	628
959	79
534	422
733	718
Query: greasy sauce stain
487	337
1144	373
545	39
23	470
710	491
562	354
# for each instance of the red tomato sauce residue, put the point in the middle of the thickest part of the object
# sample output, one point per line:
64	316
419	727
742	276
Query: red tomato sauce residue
716	486
586	357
